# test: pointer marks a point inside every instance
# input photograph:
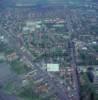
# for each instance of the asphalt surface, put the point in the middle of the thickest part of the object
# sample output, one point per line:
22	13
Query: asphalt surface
73	58
73	65
4	96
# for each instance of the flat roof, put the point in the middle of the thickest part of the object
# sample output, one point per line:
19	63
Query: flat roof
52	67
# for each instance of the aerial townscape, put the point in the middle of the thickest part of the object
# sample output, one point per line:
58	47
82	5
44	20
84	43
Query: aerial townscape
48	50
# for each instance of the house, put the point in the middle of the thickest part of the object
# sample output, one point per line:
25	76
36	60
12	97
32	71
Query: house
12	56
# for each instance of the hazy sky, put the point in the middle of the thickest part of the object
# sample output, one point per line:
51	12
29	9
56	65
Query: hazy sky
6	2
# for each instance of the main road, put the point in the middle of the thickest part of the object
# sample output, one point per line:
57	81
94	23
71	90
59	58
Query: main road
73	57
74	67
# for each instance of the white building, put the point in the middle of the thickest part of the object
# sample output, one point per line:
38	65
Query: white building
52	67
